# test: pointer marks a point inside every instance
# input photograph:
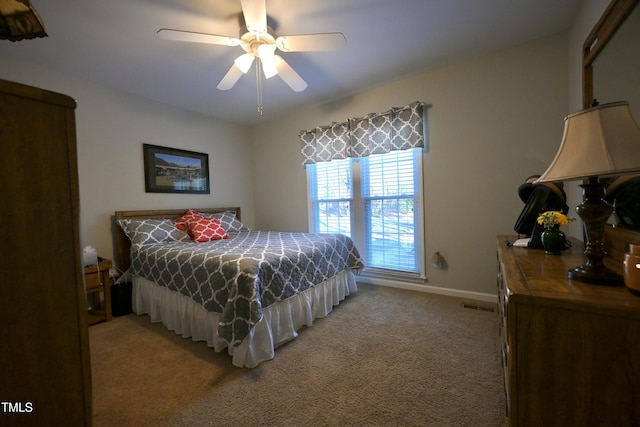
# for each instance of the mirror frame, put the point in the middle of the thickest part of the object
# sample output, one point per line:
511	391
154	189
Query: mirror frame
612	18
616	239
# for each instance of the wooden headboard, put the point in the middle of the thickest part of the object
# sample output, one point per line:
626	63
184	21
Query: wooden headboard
123	244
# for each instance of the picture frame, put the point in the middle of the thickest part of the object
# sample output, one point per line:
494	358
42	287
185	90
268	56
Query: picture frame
171	170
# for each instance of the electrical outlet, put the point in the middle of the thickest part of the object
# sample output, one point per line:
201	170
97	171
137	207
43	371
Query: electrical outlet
113	272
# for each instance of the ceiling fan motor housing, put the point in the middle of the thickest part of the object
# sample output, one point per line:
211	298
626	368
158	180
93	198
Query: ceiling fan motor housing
250	41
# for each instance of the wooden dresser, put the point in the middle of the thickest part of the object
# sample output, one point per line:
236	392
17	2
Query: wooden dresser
45	371
570	350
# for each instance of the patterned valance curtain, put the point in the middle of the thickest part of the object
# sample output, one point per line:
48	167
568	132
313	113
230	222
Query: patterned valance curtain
397	129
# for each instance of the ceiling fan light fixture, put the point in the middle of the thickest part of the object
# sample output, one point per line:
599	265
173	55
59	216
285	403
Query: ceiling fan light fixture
265	52
244	62
258	40
269	70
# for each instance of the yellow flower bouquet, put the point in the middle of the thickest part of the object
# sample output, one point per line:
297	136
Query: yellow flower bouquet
551	218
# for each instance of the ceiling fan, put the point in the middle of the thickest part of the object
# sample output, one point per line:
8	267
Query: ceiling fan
258	41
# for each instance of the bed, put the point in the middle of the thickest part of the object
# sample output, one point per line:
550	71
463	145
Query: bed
244	291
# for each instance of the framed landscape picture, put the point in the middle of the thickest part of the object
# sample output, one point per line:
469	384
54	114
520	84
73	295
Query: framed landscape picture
169	170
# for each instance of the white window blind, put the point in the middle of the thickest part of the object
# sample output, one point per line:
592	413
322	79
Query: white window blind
331	196
390	198
376	201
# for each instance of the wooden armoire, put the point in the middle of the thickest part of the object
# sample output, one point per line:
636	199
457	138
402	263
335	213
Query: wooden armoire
45	371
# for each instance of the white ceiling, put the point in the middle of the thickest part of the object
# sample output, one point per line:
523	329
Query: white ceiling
114	43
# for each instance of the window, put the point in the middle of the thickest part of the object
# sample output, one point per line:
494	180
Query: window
331	196
365	181
376	200
390	198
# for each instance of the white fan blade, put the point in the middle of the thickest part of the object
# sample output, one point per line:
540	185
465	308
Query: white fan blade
255	15
230	79
311	42
189	36
288	74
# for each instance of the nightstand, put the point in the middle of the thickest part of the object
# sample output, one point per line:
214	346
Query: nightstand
96	278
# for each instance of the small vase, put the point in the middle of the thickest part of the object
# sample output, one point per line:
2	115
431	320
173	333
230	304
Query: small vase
632	269
553	240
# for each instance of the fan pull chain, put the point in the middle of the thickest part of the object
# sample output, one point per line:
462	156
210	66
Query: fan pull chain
259	86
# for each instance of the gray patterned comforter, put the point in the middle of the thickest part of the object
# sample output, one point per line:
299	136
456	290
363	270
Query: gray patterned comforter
240	276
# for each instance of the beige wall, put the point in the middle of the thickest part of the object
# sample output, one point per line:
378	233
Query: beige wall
111	127
493	122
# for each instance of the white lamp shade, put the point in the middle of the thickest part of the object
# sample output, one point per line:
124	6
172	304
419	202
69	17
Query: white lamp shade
599	141
265	52
244	62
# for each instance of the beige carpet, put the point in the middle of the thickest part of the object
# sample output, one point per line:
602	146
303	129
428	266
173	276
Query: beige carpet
383	357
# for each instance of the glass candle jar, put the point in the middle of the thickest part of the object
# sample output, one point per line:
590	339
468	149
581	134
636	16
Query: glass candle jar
632	269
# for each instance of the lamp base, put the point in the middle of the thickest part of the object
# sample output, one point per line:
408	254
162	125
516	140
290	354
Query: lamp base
596	276
594	211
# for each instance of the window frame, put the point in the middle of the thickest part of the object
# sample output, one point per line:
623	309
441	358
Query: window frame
358	220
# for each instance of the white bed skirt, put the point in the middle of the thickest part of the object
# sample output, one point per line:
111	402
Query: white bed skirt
279	324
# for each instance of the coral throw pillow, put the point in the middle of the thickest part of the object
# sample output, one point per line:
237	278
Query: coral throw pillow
207	229
182	223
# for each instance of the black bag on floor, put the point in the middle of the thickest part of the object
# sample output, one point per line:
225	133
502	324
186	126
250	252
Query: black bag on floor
121	299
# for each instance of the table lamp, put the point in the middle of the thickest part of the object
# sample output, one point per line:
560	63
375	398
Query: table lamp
19	20
600	141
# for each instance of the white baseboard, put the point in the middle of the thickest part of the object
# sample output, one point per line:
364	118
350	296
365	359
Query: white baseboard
476	296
